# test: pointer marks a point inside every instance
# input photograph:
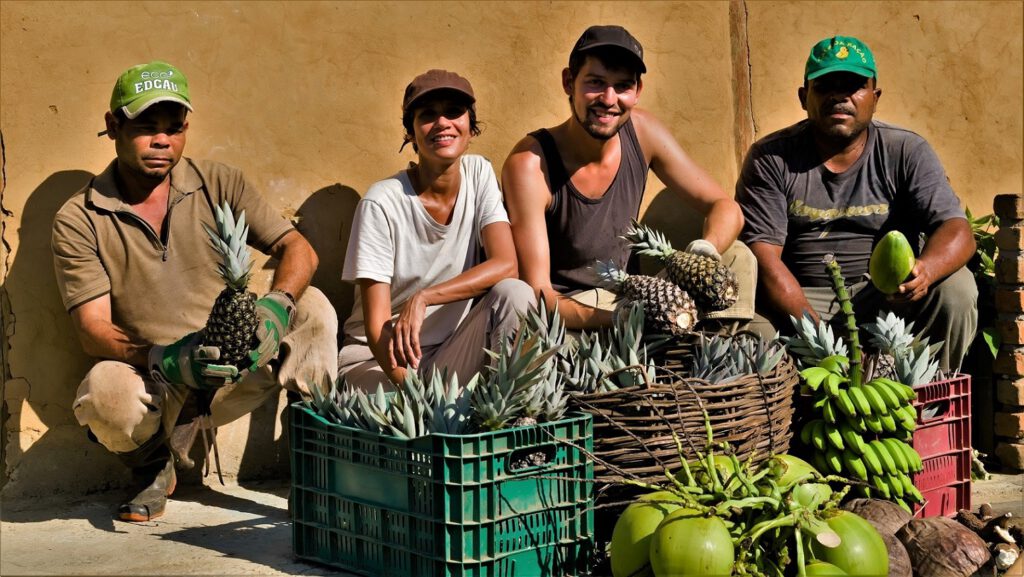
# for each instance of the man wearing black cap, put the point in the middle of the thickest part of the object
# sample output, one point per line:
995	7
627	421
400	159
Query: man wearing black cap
834	184
139	277
572	190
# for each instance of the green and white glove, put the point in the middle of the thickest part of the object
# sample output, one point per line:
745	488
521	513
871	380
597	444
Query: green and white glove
275	312
187	363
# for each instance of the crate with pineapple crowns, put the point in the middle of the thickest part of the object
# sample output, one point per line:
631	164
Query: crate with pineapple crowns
442	478
655	373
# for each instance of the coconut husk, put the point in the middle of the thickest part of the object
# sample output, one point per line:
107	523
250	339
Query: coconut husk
941	547
899	559
885	516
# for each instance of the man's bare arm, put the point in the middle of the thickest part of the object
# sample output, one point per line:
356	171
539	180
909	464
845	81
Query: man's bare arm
723	218
102	339
527	196
778	287
297	263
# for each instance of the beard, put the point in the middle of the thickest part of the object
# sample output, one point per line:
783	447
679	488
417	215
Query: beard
601	133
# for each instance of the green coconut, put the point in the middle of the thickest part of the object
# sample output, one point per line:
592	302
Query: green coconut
787	468
861	550
689	544
630	546
821	568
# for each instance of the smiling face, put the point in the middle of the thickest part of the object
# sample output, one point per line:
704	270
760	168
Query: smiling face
601	96
840	105
150	145
441	127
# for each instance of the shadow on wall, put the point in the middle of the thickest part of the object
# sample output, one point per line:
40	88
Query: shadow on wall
46	365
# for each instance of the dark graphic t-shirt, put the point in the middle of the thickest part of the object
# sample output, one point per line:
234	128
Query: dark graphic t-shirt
790	199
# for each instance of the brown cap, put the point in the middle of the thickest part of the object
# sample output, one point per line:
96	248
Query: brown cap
617	36
432	80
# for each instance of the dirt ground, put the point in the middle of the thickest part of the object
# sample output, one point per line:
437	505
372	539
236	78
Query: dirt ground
212	530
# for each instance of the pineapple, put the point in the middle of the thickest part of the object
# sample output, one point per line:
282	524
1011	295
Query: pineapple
600	354
711	284
232	323
813	342
500	397
667	308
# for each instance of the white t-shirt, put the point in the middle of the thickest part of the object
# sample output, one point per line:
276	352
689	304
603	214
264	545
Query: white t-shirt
394	240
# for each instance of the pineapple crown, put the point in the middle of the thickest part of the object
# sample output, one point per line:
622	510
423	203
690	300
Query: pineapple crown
609	275
229	240
646	241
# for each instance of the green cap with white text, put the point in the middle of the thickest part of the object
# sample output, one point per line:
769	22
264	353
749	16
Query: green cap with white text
143	85
840	54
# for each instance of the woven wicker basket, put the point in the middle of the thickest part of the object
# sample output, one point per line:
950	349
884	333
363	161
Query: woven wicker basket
633	426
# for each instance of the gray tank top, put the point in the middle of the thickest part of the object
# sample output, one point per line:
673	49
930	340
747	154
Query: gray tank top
583	230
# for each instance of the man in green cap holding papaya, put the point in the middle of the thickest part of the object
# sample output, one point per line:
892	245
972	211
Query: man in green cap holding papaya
137	273
836	183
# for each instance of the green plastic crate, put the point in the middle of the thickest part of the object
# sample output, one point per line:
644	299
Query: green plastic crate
442	505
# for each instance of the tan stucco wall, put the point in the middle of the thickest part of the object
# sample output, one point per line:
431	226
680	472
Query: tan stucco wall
304	97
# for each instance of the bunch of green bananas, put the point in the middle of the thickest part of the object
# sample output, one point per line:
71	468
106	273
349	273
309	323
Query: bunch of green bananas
864	431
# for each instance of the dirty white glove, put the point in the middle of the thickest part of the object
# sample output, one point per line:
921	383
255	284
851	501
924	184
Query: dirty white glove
703	248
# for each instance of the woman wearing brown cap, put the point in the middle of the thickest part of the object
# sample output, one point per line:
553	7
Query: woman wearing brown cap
414	251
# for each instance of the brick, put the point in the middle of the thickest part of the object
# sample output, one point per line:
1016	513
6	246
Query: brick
1009	206
1010	392
1011	455
1010	299
1011	329
1010	237
1010	267
1010	425
1009	361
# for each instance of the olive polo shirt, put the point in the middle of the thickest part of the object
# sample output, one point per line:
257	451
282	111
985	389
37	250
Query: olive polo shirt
160	288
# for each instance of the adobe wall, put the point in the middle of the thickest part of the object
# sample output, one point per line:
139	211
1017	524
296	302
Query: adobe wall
305	98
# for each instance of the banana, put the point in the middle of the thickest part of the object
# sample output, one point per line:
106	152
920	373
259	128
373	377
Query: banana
828	411
864	491
905	418
897	454
805	432
834	437
888	423
855	465
881	486
844	404
903	436
820	462
913	494
904	505
858	425
872	461
834	459
891	398
913	412
913	458
906	393
818	435
852	438
878	404
873	423
860	401
831	384
888	463
895	485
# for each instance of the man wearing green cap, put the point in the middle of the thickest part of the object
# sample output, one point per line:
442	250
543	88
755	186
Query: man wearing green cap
137	273
835	184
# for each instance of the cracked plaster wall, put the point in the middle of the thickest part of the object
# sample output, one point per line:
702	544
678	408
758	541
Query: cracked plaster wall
305	98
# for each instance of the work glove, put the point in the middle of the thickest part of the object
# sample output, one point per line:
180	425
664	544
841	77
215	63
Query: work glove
703	248
275	312
187	362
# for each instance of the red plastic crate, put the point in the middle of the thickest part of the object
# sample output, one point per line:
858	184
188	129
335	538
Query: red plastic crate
945	483
940	437
948	399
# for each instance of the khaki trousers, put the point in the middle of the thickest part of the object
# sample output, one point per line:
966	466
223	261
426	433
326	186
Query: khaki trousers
494	317
124	407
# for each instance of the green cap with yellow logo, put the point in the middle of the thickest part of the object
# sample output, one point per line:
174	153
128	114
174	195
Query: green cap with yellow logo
143	85
840	54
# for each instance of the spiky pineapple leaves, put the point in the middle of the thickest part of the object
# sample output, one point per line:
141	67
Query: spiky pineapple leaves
229	241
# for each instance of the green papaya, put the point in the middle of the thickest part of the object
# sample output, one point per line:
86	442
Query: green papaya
891	262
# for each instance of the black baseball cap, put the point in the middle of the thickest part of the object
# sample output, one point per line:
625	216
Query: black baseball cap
617	36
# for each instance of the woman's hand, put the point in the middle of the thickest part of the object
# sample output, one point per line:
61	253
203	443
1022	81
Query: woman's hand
405	338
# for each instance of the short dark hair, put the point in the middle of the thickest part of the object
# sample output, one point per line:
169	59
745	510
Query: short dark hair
474	125
610	56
